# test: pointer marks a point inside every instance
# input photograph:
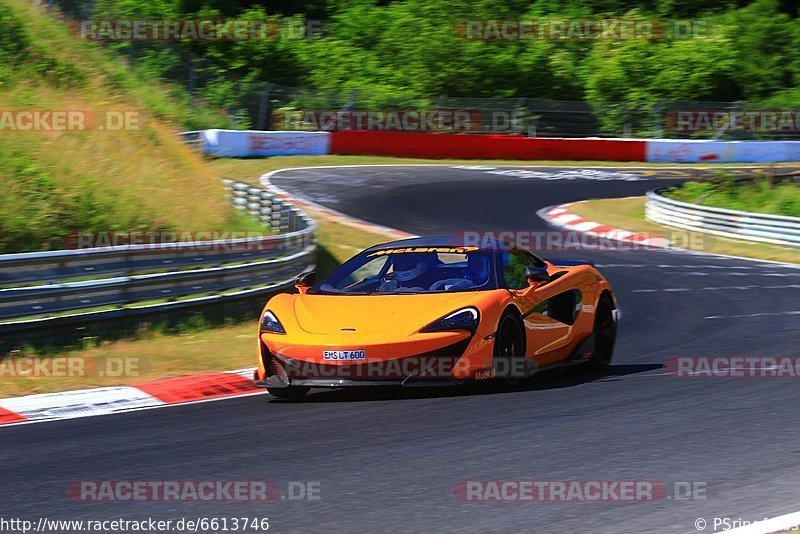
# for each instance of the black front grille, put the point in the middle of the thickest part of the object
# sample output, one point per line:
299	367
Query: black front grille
434	364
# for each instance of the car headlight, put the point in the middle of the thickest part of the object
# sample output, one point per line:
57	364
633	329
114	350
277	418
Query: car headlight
466	319
271	324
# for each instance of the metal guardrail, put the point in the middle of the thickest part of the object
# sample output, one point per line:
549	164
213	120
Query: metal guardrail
124	275
283	217
749	226
193	138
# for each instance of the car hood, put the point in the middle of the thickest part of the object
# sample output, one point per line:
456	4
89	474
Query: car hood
375	314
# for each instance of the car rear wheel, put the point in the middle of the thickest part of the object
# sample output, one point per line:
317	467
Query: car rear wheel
291	392
509	349
605	333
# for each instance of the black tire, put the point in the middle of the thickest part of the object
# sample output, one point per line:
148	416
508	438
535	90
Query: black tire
509	349
605	334
291	392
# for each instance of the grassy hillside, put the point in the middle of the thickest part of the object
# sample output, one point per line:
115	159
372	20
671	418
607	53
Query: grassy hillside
57	182
761	196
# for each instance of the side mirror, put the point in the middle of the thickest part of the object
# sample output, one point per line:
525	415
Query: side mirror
305	281
536	275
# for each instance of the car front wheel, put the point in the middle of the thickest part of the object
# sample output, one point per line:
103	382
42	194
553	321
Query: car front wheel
509	349
605	334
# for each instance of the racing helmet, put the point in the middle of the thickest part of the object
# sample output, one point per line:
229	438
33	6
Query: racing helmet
407	267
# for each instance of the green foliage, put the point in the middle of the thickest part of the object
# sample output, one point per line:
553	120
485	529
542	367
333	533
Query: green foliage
43	209
766	43
759	196
406	52
21	57
56	183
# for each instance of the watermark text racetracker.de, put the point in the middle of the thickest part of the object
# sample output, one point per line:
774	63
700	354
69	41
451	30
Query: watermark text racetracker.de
69	120
433	120
121	491
159	241
733	366
552	491
573	240
408	120
551	29
58	367
223	29
755	120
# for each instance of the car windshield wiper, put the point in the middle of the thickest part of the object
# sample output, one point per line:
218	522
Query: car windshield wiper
339	292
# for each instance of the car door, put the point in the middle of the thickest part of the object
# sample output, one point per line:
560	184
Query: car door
548	312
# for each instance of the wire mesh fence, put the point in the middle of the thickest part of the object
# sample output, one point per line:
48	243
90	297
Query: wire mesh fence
252	103
277	107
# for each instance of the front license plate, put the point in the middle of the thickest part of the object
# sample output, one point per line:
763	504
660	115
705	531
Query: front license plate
344	355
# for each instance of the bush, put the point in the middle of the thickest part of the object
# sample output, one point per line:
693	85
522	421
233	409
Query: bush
759	196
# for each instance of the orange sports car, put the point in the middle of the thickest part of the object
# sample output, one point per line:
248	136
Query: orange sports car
430	311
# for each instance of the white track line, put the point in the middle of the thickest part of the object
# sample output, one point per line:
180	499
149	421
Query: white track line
137	409
768	526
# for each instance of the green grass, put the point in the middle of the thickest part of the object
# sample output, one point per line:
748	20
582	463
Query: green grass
58	182
628	214
760	196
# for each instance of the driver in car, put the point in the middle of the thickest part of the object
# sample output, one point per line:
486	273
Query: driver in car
412	272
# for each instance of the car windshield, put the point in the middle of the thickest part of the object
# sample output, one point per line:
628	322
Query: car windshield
412	271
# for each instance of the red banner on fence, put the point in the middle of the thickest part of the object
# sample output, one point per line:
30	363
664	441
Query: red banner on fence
421	145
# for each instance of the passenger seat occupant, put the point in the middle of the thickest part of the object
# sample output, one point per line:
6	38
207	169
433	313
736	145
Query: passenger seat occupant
477	269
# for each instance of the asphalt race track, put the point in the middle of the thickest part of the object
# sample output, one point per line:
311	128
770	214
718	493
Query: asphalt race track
388	460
